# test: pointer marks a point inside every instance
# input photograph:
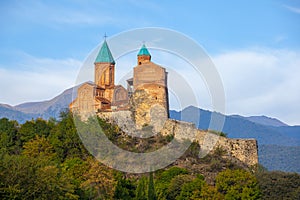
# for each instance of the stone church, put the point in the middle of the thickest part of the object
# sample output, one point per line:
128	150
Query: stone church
146	95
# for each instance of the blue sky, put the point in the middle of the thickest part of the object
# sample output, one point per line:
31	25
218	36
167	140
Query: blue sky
254	45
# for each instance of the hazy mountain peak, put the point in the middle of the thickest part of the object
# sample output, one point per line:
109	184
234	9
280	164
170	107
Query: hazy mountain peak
264	120
6	106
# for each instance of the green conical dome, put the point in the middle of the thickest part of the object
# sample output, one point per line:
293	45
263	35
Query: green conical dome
144	51
104	54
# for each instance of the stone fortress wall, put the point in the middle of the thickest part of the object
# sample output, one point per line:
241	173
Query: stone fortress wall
244	150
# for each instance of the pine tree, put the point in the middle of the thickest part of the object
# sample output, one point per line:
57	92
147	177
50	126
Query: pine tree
141	189
151	189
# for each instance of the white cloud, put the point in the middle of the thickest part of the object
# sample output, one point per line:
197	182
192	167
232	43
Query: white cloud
49	13
81	13
280	38
262	82
293	9
35	79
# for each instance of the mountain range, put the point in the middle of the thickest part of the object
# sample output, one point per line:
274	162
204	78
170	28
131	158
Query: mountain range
279	143
43	109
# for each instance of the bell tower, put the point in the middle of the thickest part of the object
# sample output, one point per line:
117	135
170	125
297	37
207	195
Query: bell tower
105	76
104	68
149	100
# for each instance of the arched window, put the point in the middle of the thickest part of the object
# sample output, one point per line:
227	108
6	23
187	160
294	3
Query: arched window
110	75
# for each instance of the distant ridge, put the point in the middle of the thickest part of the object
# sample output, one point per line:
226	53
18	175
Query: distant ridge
264	120
13	114
43	107
237	126
278	146
33	110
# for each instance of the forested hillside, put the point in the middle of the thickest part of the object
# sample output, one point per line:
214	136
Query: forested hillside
46	160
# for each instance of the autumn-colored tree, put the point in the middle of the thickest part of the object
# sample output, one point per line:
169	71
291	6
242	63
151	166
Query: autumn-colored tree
39	147
207	192
99	180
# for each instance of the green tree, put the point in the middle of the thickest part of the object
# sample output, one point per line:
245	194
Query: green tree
50	183
76	170
125	189
237	184
65	140
207	192
189	188
27	131
176	184
151	189
16	176
43	127
163	180
24	177
30	129
141	189
8	136
279	185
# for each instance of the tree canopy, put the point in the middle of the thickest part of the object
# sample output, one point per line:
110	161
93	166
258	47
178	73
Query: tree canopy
46	160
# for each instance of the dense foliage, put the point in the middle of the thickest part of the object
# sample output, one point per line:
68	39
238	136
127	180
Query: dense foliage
279	185
286	157
46	160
